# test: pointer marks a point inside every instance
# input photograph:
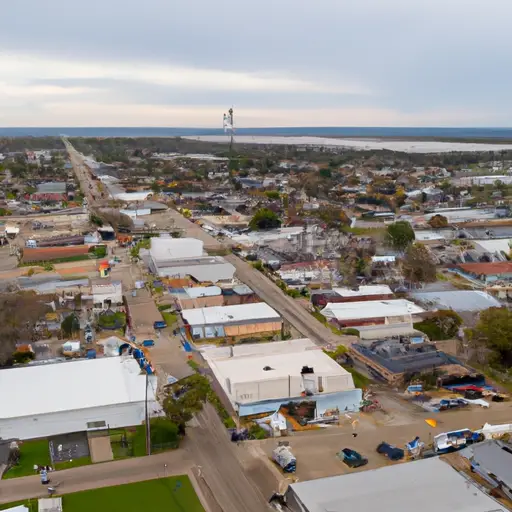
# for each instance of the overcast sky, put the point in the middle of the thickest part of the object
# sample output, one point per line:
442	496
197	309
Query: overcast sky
278	62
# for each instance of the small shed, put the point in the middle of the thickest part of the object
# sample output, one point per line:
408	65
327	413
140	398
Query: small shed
50	505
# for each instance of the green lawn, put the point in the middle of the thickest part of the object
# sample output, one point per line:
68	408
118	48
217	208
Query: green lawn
75	463
173	494
170	318
31	453
136	441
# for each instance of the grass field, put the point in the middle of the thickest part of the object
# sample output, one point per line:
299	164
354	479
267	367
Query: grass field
174	494
31	453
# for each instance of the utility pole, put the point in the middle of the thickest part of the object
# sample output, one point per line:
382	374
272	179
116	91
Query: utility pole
148	426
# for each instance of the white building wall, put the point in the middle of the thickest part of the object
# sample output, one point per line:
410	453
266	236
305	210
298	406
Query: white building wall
284	387
44	425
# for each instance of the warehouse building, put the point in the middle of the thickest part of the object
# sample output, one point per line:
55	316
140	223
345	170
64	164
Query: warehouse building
258	377
73	396
181	257
423	485
461	301
375	318
231	321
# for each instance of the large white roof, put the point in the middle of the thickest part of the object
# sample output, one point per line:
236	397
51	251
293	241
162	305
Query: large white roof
370	309
364	291
239	313
422	486
167	248
71	385
288	362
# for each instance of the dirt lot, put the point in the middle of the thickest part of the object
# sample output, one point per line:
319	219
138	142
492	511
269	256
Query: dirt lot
316	451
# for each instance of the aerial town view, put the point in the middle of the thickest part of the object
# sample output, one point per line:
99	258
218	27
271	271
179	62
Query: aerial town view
222	290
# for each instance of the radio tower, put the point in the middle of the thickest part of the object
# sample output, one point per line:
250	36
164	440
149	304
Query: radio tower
229	127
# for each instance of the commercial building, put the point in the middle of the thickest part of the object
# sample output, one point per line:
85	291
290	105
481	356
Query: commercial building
487	273
259	377
208	296
181	257
242	320
423	485
360	293
375	318
467	181
456	300
394	361
73	396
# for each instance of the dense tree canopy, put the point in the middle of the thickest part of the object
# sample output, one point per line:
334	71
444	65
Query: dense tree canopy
438	221
400	234
418	265
19	314
494	330
265	219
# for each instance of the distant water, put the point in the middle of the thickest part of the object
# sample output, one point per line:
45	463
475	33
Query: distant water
377	132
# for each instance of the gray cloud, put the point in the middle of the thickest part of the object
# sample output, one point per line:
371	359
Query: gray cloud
412	60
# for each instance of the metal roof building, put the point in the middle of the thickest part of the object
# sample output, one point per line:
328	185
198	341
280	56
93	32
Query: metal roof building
422	486
457	300
240	320
49	399
343	311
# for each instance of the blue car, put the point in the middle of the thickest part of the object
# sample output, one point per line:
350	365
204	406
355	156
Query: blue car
352	458
390	451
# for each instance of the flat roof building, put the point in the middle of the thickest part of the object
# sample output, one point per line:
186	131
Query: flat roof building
374	318
423	485
237	320
277	371
181	257
73	396
393	360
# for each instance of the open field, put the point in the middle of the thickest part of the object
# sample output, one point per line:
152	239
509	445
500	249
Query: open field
173	494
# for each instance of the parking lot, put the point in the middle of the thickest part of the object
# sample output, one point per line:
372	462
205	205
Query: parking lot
316	450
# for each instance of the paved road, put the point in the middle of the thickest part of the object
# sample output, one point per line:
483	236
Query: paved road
99	475
221	468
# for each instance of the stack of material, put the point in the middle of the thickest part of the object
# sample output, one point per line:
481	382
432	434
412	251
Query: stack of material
283	456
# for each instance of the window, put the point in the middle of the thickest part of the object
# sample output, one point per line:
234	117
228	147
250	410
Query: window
96	424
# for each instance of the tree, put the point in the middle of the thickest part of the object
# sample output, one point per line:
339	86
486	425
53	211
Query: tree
156	188
70	325
272	194
400	234
418	265
19	314
264	219
438	221
494	330
325	173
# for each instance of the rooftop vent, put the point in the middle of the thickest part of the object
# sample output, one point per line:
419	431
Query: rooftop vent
267	368
307	369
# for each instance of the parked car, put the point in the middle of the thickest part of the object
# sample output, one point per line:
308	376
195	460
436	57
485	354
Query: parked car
352	458
159	324
390	451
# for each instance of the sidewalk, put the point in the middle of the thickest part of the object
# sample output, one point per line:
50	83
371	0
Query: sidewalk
105	474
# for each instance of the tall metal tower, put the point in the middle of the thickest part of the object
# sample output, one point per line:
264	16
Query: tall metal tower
229	127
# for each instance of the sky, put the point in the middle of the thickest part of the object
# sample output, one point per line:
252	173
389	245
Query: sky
277	62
